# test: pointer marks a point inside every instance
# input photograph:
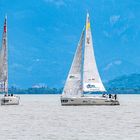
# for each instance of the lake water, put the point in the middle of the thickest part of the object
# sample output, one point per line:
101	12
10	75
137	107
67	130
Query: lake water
41	117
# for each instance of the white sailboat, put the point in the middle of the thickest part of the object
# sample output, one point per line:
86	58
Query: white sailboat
76	84
8	99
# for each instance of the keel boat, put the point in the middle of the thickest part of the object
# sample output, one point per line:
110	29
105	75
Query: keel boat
84	77
7	99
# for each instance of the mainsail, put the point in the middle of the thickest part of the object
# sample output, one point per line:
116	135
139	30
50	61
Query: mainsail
91	78
73	86
3	61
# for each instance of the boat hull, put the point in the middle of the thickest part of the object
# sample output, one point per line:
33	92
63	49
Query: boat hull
10	100
77	101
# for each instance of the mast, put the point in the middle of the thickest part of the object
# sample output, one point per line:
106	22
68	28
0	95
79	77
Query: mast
91	78
73	85
4	60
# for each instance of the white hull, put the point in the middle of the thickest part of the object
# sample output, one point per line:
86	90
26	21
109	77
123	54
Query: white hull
10	100
88	100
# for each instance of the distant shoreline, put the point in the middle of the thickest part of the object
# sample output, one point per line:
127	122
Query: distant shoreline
61	93
51	90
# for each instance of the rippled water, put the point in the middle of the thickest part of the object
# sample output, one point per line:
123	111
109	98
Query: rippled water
41	117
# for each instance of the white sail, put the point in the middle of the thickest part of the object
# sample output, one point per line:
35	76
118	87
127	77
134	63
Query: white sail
3	61
73	85
91	78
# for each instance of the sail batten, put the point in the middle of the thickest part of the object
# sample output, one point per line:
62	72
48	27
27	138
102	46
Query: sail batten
73	85
91	78
3	61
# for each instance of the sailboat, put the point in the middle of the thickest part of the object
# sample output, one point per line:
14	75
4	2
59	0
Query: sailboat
84	77
8	99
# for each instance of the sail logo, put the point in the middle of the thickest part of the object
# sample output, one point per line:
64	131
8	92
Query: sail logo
88	25
71	76
88	40
90	86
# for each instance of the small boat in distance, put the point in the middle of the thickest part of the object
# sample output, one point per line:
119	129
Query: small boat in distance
8	99
85	78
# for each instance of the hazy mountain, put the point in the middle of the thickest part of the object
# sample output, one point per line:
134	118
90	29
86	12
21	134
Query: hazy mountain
131	81
117	68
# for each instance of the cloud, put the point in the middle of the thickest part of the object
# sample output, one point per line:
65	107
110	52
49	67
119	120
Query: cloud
108	66
37	60
40	29
17	66
106	34
22	14
116	62
57	3
114	19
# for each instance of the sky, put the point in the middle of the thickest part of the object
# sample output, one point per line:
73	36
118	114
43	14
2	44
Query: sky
43	36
